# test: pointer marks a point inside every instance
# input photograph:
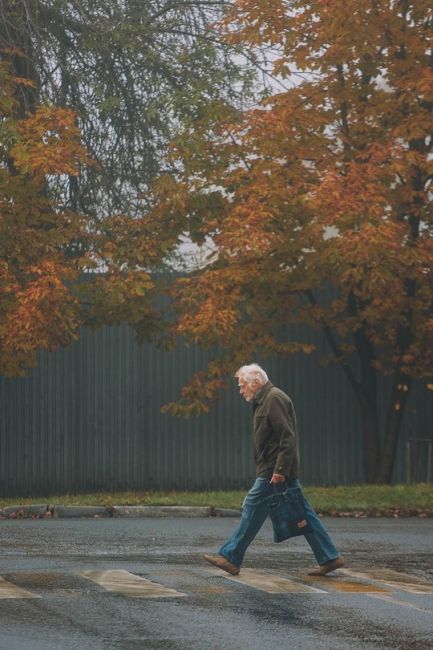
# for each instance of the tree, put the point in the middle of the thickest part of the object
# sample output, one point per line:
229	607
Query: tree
38	308
132	70
325	186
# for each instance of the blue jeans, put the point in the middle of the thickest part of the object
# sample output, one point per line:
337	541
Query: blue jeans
254	513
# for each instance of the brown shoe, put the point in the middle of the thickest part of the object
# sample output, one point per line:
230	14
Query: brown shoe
323	569
222	563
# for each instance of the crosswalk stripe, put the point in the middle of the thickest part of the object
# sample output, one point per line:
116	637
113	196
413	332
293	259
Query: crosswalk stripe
345	586
9	590
394	579
375	583
268	582
128	584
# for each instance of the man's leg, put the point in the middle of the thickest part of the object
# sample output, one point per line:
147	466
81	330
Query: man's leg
254	513
321	544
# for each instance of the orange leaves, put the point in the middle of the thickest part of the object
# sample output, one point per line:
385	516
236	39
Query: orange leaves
372	261
247	230
50	143
200	393
255	21
208	305
47	142
42	314
326	184
356	192
23	81
38	310
211	319
423	84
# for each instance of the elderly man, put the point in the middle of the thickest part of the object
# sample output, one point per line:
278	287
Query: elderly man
276	453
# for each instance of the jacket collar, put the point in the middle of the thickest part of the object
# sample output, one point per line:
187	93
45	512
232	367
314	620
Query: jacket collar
261	394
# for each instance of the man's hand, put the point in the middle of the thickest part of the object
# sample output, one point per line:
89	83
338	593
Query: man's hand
277	478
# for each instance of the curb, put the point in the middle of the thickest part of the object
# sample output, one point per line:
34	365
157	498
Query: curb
46	511
24	512
159	511
60	512
225	512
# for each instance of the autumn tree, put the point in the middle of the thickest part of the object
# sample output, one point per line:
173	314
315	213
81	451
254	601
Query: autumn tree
132	70
316	205
38	308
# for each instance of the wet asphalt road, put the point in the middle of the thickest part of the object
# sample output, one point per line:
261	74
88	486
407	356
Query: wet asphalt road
45	558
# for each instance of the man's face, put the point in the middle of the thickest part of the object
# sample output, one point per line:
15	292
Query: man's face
248	390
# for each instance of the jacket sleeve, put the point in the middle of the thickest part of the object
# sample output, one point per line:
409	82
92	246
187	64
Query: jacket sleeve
283	422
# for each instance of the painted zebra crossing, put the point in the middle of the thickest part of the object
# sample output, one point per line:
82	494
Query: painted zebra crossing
9	590
268	582
379	583
128	584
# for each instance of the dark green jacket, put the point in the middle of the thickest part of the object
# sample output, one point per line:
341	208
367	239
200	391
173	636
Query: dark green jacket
275	436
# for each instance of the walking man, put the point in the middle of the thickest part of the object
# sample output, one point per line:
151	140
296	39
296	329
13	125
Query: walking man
276	453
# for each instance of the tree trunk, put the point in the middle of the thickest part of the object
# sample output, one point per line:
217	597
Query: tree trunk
399	396
370	438
364	389
366	394
379	457
17	19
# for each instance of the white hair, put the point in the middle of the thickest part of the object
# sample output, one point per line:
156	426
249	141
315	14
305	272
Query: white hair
251	373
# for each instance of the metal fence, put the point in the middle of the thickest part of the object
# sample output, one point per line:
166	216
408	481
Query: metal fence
88	418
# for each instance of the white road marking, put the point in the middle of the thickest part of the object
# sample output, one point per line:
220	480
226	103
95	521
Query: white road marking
128	584
9	590
268	582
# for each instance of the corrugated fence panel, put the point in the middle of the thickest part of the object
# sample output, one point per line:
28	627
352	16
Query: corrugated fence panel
326	412
88	418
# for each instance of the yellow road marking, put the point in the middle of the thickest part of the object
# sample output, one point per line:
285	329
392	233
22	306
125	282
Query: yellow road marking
265	581
128	584
9	590
344	585
394	579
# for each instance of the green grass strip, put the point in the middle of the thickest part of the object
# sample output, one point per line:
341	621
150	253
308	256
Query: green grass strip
353	499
